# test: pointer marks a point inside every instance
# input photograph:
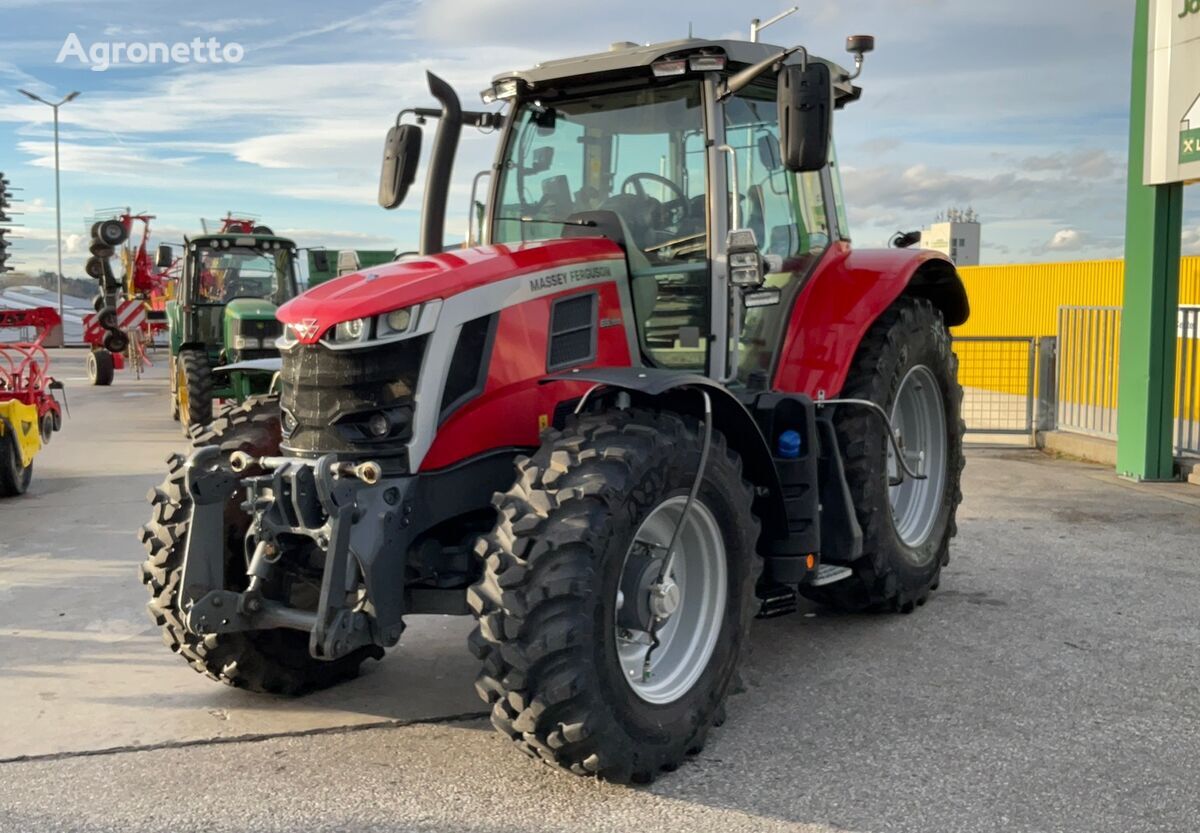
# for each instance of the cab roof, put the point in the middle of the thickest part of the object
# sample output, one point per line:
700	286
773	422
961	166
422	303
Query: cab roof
622	58
201	238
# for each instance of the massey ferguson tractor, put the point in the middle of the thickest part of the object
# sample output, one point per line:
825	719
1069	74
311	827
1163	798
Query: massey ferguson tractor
657	395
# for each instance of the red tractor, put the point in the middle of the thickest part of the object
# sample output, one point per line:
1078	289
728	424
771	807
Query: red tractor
662	395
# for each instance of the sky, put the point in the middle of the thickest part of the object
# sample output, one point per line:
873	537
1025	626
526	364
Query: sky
1018	109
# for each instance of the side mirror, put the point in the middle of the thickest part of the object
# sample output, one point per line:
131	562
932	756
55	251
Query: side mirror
165	257
401	152
768	152
906	239
805	103
320	260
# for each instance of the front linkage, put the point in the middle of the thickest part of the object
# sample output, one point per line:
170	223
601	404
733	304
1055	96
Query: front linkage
292	500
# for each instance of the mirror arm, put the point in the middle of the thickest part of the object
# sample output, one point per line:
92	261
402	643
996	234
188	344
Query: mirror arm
482	119
740	80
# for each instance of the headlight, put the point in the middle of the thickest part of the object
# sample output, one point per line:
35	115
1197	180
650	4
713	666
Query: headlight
396	321
350	330
396	325
246	343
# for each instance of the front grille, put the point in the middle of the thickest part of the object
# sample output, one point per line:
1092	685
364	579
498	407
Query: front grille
329	397
267	328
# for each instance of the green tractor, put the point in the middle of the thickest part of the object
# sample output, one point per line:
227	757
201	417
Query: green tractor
222	320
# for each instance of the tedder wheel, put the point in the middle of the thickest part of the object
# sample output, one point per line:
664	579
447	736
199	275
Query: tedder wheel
99	303
194	388
47	427
14	478
112	232
275	661
906	365
115	341
100	367
569	595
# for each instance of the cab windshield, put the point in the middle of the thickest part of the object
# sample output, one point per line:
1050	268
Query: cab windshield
223	274
640	154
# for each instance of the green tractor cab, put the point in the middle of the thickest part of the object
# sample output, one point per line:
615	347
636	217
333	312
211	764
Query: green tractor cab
222	319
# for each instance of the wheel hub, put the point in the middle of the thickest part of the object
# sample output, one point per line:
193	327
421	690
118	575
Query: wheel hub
664	598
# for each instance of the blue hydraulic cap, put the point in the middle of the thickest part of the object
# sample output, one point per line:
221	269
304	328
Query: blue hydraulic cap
789	445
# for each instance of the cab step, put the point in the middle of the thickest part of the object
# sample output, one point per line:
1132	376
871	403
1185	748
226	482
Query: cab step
777	600
829	574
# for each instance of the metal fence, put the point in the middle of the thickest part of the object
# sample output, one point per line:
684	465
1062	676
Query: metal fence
1088	368
999	380
1187	391
1088	342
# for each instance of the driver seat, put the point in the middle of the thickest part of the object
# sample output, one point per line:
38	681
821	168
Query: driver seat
610	224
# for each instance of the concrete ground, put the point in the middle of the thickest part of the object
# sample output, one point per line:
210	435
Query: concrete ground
1049	685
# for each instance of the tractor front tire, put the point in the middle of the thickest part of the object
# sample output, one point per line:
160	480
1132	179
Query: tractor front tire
906	365
275	661
194	388
14	478
100	367
556	595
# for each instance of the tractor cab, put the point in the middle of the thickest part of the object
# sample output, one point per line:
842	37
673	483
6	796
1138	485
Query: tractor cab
697	158
224	316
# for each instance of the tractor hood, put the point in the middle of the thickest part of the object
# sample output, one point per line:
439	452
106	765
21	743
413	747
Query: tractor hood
412	280
245	309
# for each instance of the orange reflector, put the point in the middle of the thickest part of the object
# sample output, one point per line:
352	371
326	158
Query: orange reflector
812	561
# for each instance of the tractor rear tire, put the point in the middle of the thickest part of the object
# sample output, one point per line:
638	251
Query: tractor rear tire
194	388
14	478
100	367
555	669
904	549
275	661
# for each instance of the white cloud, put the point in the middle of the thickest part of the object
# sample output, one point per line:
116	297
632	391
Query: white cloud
1067	240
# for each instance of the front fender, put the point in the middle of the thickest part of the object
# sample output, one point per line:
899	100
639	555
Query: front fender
848	291
730	417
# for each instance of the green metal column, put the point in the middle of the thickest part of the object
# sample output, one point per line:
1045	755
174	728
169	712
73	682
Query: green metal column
1153	232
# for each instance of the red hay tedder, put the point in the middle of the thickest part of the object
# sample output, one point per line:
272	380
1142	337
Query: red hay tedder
135	302
29	413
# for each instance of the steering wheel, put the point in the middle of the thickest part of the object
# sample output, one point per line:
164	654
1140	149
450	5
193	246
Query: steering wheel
679	204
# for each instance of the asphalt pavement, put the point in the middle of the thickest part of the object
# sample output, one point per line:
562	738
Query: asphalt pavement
1050	684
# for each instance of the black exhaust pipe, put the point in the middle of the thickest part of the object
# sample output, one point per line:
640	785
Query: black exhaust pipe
441	164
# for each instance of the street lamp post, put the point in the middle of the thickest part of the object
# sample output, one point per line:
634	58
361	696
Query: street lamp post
57	186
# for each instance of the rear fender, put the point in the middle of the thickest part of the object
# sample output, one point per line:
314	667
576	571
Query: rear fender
678	392
844	297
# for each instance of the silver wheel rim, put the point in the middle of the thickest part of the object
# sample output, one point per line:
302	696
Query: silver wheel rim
688	636
919	419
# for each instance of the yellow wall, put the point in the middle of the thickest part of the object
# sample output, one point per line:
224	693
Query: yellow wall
1023	299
